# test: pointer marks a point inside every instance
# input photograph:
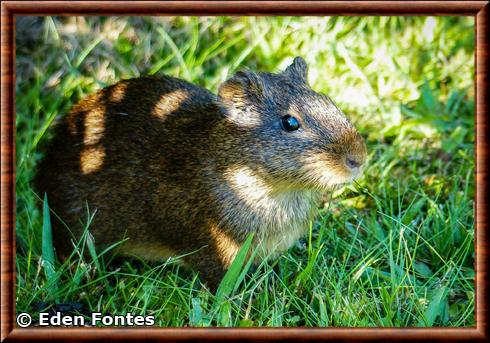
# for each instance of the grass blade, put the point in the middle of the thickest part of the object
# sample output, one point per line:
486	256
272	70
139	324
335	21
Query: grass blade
435	308
48	251
87	51
232	275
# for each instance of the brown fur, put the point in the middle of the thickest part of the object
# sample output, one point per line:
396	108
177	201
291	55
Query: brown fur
171	167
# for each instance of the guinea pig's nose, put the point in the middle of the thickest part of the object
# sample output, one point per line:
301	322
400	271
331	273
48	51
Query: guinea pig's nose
353	162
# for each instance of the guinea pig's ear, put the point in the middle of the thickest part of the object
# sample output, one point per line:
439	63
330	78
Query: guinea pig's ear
243	84
298	70
239	95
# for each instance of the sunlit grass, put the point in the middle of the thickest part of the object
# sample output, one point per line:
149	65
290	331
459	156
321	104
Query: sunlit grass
394	249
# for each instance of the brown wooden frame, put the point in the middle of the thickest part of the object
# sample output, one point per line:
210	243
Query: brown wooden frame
478	9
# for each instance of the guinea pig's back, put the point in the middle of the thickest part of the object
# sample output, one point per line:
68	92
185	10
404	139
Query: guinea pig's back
110	153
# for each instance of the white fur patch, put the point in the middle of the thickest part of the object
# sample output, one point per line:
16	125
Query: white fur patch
278	217
244	118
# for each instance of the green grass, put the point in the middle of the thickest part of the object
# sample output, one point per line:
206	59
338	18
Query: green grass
394	249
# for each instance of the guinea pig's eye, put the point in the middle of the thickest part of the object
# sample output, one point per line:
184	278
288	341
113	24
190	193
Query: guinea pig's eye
289	123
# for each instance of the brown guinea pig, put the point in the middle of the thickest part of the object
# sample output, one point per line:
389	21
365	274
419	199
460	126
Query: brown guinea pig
173	169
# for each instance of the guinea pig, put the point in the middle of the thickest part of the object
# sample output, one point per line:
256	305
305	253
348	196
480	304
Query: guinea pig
173	169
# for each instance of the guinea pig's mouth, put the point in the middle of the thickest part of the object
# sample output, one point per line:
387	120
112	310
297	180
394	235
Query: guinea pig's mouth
328	180
324	172
325	182
337	180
